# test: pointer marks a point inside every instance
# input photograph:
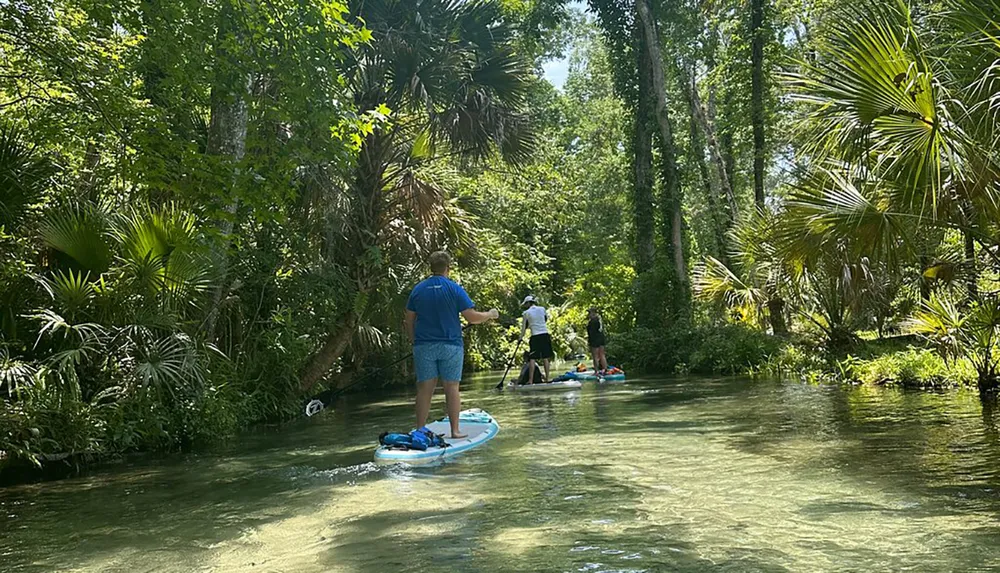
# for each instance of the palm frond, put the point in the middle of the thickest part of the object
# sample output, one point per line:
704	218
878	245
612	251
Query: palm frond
874	94
24	176
15	373
940	322
713	281
160	254
169	363
52	324
371	337
71	289
79	231
828	208
451	68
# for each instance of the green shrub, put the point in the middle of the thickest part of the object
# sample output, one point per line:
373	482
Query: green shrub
913	367
799	360
731	349
726	349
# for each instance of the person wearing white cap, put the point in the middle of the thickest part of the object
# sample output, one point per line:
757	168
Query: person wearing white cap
540	343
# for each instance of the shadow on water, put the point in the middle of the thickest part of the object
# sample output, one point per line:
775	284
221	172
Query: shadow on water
87	521
942	446
191	502
542	528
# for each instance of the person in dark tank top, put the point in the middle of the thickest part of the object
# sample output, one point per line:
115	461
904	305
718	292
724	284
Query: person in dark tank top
596	339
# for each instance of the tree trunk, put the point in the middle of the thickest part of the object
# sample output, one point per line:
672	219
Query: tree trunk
776	315
971	287
642	195
757	97
367	205
331	351
718	159
227	134
672	192
697	142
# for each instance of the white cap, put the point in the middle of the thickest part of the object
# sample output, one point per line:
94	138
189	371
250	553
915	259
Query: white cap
527	299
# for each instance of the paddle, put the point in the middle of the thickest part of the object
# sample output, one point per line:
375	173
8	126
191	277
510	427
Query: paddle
509	364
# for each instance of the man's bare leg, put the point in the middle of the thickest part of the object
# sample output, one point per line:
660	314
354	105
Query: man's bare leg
604	359
596	353
531	371
546	369
454	400
425	391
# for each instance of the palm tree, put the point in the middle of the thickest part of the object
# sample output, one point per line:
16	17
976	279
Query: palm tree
895	129
900	137
972	333
754	285
439	78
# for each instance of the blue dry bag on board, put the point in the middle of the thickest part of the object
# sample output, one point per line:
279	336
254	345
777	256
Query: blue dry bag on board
424	438
416	440
393	439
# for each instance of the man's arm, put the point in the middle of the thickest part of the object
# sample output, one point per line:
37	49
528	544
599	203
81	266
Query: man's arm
473	316
408	321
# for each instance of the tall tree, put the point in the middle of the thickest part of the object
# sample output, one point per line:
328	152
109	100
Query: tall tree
227	133
634	84
439	74
757	117
671	187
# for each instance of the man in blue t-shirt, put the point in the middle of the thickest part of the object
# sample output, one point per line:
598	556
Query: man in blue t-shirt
434	328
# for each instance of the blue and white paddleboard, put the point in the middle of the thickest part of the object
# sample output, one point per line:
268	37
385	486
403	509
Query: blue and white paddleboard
479	425
591	375
562	385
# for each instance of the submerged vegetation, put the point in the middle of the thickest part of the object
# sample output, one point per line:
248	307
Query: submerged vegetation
209	210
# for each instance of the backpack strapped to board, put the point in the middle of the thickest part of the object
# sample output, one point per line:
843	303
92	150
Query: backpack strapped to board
421	440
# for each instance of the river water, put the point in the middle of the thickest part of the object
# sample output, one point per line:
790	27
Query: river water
688	474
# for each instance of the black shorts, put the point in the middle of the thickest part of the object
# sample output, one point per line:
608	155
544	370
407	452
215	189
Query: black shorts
596	341
540	346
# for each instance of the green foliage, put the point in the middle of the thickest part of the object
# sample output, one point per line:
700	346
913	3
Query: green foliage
972	334
917	368
24	176
729	349
197	197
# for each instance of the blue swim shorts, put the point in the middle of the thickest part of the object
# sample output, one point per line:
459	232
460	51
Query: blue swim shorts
438	360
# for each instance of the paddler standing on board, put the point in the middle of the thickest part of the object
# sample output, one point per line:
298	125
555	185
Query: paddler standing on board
540	343
596	340
436	333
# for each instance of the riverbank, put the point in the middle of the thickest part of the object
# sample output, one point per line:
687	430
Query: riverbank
735	350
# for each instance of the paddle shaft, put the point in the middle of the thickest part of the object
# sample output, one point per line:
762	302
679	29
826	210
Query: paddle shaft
510	363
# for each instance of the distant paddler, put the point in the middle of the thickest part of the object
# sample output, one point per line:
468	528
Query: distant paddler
435	330
596	339
540	344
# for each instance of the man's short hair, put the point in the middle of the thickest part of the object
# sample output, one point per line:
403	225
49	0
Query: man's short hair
440	262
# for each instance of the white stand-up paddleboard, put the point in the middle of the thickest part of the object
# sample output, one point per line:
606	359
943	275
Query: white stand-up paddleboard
479	425
562	385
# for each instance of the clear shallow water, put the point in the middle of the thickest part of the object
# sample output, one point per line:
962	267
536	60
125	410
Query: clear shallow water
686	474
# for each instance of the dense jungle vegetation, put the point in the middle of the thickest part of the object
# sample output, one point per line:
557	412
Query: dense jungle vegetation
210	210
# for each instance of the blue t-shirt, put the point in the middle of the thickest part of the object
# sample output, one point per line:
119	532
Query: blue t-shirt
438	301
